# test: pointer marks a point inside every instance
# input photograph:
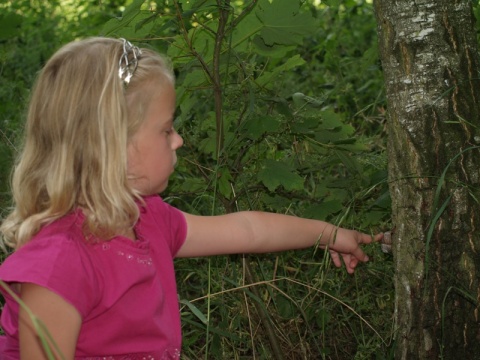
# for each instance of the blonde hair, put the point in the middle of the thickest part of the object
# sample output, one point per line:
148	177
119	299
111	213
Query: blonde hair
80	119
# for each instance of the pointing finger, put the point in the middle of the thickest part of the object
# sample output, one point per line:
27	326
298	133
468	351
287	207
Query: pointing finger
378	237
367	239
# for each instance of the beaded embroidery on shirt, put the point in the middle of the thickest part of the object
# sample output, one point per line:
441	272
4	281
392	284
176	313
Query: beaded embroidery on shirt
143	260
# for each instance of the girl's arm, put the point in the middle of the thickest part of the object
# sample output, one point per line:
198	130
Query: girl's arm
260	232
60	318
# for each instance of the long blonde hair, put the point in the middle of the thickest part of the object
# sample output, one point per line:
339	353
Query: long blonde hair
80	119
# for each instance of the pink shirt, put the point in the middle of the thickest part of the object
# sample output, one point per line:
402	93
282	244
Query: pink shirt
125	291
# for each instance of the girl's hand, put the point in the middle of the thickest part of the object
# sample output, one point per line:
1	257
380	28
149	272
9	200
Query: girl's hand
346	245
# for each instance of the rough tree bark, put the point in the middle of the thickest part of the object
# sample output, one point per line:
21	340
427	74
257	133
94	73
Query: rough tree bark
431	65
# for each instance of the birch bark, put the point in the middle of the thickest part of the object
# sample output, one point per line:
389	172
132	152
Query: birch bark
430	60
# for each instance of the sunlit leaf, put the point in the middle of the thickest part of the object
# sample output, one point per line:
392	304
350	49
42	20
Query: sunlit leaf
135	23
283	22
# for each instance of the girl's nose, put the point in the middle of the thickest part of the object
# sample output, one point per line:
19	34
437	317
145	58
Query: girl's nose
177	141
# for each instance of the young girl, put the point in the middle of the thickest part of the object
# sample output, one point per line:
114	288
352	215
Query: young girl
94	245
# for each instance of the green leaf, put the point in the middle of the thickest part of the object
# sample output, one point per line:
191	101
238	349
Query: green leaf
291	63
301	100
146	21
195	311
208	123
245	31
134	23
321	316
285	307
349	161
115	24
373	217
256	127
275	174
275	201
195	78
11	23
197	5
331	120
305	125
224	182
352	145
283	23
247	34
201	40
323	210
208	145
384	200
332	129
192	184
273	51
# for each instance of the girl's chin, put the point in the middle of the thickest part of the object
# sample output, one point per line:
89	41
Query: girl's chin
147	191
161	188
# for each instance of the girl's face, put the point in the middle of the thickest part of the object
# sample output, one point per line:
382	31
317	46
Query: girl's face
151	151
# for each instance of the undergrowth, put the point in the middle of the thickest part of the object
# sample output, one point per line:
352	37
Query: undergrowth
315	311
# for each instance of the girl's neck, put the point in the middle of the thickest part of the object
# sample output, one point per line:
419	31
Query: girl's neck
130	234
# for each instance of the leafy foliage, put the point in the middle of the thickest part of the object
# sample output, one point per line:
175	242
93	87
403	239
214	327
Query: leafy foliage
281	109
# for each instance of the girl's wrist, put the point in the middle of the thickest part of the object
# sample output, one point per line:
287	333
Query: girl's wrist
327	235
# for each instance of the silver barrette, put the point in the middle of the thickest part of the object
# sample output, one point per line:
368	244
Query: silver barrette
128	61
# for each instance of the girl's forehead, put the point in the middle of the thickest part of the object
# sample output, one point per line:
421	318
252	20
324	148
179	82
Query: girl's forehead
160	87
163	96
149	92
162	93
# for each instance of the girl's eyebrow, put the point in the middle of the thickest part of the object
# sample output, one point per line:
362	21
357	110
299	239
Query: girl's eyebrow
168	123
168	120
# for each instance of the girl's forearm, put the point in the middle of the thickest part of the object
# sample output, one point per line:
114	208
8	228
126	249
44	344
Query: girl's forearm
252	232
277	232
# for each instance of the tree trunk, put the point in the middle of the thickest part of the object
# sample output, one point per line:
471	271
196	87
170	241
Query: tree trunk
430	61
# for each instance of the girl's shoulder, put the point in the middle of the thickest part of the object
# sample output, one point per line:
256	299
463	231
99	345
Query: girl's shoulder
160	219
55	239
154	207
61	241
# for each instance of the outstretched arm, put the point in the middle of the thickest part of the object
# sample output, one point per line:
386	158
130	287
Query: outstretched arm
60	318
261	232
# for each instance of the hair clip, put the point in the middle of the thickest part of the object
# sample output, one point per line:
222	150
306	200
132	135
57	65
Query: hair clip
126	66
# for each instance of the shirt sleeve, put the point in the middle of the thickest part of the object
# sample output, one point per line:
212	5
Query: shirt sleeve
54	262
171	220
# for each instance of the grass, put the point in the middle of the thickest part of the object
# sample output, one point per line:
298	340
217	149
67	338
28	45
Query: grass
46	339
316	310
